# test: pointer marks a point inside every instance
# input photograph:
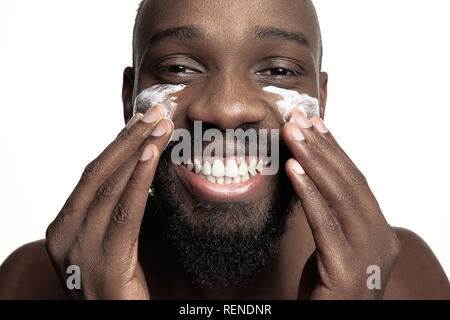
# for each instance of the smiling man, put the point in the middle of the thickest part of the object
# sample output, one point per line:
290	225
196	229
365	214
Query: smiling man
217	227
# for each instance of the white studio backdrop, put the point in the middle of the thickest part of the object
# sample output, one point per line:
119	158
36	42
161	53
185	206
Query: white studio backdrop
61	69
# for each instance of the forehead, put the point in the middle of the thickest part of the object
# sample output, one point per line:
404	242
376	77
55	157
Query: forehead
230	20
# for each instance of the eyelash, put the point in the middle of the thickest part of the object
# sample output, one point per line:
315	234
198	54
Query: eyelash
168	69
293	73
283	70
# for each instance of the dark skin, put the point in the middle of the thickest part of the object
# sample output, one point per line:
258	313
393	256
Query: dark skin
337	228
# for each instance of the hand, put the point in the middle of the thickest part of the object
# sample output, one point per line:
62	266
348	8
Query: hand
349	229
98	227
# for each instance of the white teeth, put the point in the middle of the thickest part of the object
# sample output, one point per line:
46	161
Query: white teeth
232	170
197	166
252	167
260	166
243	169
227	174
218	169
206	168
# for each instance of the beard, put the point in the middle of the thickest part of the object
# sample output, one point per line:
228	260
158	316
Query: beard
222	244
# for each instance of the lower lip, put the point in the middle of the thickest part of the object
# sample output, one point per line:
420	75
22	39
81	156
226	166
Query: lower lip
206	190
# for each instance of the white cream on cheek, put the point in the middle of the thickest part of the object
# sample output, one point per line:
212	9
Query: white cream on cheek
158	94
292	100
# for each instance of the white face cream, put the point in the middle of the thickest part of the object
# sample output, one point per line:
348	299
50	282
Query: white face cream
158	94
292	100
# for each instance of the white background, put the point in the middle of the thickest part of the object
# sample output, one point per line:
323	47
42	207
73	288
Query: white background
61	69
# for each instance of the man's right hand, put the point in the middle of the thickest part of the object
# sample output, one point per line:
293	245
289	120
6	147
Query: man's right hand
98	227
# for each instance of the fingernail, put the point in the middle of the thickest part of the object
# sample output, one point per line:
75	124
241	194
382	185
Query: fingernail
147	153
154	114
297	167
319	125
133	120
161	129
297	135
301	120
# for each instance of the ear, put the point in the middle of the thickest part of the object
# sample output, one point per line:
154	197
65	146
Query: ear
323	92
127	93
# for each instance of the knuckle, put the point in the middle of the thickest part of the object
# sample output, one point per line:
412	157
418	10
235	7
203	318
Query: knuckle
53	243
50	230
321	145
135	180
330	223
347	198
107	190
92	169
126	134
356	177
393	245
52	247
121	214
311	192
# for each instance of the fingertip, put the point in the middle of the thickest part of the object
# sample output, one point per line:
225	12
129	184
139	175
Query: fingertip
147	153
319	125
295	166
161	109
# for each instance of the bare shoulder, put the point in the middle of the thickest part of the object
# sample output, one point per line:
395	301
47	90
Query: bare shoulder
418	273
28	274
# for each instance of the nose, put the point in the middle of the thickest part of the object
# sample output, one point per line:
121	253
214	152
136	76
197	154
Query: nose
227	102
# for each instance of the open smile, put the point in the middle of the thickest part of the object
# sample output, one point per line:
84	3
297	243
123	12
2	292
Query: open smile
225	180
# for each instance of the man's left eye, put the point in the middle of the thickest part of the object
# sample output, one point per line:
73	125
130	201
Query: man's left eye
278	72
179	69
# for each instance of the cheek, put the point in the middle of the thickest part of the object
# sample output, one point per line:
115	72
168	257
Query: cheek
292	100
162	94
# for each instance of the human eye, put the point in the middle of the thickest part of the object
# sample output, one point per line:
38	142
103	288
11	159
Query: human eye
176	69
279	72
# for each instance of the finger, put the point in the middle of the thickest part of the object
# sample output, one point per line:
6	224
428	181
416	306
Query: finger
108	195
98	215
330	184
116	153
328	235
123	229
321	142
74	210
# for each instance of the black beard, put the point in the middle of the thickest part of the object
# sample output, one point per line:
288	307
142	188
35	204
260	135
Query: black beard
222	244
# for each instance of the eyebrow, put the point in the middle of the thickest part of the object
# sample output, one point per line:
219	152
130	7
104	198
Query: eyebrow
179	33
184	33
268	32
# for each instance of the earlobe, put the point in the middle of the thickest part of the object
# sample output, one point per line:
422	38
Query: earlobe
323	93
127	93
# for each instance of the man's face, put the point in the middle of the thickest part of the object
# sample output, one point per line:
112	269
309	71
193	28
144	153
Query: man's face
225	52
